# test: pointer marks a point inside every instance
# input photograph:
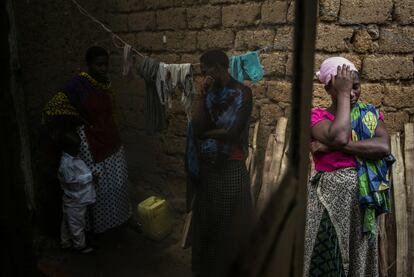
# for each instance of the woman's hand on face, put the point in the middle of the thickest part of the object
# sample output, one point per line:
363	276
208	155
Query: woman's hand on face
319	147
208	83
343	81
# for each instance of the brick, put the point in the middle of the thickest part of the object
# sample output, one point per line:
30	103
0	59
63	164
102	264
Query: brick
363	42
397	39
365	11
168	58
388	67
399	96
141	21
148	41
181	41
241	15
203	17
118	23
269	113
372	94
215	39
181	3
274	12
258	89
274	63
126	5
279	91
171	19
223	1
291	12
404	11
154	4
394	121
253	39
321	98
333	38
329	9
190	58
284	38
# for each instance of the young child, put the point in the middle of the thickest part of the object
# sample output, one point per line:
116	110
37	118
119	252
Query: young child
76	180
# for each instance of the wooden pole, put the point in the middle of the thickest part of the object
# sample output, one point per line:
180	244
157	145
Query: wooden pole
187	228
266	179
277	245
382	247
283	167
409	177
251	159
400	194
278	148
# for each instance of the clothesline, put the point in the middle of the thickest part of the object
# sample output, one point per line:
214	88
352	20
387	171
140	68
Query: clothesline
116	38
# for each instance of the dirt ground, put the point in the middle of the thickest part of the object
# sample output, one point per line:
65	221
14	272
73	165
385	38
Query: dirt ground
122	253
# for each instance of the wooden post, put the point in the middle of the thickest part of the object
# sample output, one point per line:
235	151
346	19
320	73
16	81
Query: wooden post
251	159
398	185
187	228
266	180
409	177
283	167
277	245
382	247
278	148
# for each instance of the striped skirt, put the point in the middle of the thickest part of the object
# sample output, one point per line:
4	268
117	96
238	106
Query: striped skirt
222	218
334	242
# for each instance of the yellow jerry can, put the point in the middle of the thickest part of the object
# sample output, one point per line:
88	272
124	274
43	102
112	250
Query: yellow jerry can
155	217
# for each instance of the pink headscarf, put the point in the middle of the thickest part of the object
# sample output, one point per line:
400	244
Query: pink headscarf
330	67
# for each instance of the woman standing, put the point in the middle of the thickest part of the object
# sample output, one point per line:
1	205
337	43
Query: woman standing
86	103
223	210
349	146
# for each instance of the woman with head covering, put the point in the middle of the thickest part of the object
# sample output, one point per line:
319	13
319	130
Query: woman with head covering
350	147
85	104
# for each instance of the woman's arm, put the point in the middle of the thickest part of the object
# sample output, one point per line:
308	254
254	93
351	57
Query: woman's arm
336	133
242	118
375	148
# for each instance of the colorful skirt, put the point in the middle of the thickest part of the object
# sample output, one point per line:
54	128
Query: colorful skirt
112	207
334	242
222	217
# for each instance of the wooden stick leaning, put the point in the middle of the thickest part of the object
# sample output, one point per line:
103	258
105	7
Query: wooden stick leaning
398	183
278	149
409	179
266	180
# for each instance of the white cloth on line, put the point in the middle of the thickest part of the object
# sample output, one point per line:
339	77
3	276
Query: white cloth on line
127	60
172	75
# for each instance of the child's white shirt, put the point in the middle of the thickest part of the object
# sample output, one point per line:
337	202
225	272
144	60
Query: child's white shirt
76	180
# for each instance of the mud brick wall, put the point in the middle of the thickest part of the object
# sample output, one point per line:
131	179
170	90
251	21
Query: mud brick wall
377	35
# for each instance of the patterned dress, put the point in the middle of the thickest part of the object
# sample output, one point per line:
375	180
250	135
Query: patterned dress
223	210
87	106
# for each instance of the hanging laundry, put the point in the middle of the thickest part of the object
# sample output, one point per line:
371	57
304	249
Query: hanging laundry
171	76
163	84
128	61
155	109
246	66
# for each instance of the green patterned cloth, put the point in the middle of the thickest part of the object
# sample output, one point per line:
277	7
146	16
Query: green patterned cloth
374	186
326	257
